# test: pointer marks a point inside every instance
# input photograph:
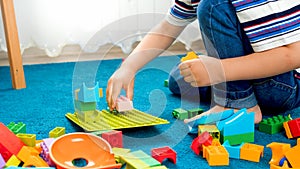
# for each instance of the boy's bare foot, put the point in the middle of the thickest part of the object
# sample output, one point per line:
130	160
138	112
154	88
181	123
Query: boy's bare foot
217	108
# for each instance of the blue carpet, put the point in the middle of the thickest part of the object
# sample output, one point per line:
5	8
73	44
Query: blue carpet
49	96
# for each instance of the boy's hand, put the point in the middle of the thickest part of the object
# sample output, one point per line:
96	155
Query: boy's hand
203	71
122	79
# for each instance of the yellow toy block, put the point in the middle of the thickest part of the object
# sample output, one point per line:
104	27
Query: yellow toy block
56	132
27	139
217	156
190	55
120	152
292	156
287	130
278	151
211	129
13	161
30	157
251	152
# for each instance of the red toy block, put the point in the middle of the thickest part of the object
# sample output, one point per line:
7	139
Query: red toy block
114	138
203	139
9	143
160	154
294	126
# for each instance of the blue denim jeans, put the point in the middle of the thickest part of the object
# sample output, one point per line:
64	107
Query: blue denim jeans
224	38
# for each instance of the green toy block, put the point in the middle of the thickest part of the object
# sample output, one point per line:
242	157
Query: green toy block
82	106
17	127
195	112
238	139
180	114
273	125
166	83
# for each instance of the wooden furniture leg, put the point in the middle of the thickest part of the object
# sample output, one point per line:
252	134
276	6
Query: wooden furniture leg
13	44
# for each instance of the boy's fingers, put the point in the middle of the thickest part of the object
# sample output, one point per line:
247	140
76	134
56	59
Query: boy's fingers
108	94
115	92
129	90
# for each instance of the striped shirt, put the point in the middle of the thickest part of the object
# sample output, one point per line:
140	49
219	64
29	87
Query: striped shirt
267	23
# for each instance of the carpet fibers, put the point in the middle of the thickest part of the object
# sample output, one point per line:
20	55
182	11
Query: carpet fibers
49	96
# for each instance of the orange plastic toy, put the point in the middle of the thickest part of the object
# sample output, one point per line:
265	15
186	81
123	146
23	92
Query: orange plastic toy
77	150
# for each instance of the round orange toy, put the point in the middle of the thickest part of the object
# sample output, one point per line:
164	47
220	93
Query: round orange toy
82	150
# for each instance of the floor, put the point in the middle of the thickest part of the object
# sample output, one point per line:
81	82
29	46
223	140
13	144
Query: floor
73	53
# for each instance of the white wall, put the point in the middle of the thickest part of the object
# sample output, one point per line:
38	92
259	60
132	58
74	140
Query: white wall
52	24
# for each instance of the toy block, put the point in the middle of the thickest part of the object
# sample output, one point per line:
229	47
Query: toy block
2	162
27	139
231	125
9	143
88	116
100	92
203	139
45	145
194	112
298	141
273	124
57	131
287	130
285	165
139	159
180	114
238	139
13	161
17	127
209	118
114	138
119	152
162	153
166	83
211	129
82	106
292	156
294	126
12	167
30	157
100	132
86	95
190	55
123	104
151	162
251	152
217	156
157	167
213	143
234	151
278	151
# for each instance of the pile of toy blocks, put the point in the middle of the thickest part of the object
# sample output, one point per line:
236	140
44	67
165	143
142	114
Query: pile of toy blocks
230	137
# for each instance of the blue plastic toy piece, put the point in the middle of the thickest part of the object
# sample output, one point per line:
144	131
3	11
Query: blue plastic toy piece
89	94
208	119
234	151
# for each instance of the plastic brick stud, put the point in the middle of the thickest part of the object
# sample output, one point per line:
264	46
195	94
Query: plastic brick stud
162	153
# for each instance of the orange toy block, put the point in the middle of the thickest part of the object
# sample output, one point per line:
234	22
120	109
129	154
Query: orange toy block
293	156
251	152
10	144
287	130
278	151
214	142
217	156
30	157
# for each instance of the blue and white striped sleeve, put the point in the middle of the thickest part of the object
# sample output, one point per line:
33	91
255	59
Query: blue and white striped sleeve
182	12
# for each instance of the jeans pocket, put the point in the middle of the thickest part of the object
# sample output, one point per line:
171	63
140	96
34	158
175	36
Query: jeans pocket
273	95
